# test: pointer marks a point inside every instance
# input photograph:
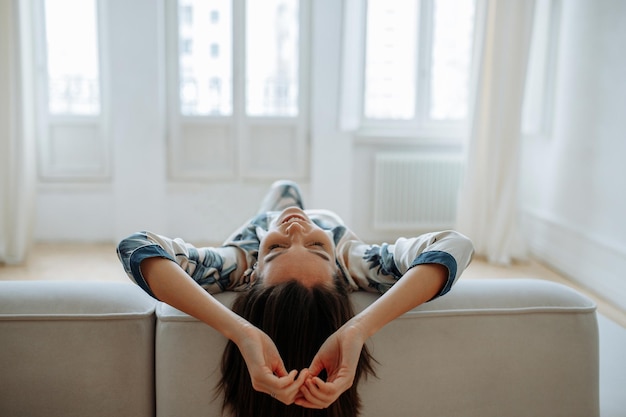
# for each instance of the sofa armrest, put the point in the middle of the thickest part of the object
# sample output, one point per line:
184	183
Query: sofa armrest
76	349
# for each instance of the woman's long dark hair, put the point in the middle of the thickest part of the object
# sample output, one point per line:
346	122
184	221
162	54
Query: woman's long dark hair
299	320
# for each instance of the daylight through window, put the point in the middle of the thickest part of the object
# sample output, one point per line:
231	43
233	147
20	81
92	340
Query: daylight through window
72	57
205	57
453	33
418	59
206	48
272	56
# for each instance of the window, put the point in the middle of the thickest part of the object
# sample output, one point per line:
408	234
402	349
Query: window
272	47
231	123
453	35
390	64
72	57
72	139
418	59
199	57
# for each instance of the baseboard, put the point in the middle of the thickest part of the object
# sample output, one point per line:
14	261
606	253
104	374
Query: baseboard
586	259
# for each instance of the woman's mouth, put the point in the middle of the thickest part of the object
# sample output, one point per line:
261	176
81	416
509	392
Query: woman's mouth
293	218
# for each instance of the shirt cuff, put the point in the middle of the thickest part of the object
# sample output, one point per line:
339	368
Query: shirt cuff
140	254
440	258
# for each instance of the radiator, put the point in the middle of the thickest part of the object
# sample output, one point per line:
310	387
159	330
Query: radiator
416	191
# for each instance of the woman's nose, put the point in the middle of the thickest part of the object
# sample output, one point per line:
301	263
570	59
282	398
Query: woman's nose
294	227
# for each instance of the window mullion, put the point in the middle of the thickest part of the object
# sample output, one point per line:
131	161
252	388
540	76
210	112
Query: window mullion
304	82
304	13
172	64
104	118
424	63
41	84
239	60
239	125
175	120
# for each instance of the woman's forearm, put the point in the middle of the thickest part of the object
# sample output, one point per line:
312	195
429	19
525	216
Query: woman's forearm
172	285
418	285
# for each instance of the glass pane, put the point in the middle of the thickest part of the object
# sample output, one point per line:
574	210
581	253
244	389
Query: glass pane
272	51
390	61
451	59
72	52
205	45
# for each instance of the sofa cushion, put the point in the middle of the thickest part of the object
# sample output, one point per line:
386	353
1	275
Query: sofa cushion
76	349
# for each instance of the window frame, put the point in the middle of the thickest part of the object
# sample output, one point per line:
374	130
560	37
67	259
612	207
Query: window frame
236	137
53	129
421	126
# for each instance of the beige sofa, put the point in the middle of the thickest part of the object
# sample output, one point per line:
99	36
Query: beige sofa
489	348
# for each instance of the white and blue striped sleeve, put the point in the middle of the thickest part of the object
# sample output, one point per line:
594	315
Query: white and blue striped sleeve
214	269
377	267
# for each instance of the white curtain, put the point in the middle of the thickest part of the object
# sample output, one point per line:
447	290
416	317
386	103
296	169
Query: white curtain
17	160
488	203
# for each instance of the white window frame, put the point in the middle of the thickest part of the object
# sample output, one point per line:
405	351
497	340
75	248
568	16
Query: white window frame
61	136
241	146
421	127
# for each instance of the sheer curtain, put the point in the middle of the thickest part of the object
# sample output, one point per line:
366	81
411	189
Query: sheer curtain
488	203
17	160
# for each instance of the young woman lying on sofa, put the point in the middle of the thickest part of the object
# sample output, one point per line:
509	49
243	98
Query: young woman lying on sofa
295	346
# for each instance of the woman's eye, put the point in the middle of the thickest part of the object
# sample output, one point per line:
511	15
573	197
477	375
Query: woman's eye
320	244
272	247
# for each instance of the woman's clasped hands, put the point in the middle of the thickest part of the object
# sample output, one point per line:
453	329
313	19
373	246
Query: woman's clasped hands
339	356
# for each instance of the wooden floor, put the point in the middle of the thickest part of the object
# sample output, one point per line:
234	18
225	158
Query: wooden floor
64	261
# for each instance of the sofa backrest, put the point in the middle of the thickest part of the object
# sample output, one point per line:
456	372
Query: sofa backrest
489	348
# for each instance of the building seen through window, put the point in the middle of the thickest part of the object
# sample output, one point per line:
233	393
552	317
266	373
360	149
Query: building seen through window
205	55
206	51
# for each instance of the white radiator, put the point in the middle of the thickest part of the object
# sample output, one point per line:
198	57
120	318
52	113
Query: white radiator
416	191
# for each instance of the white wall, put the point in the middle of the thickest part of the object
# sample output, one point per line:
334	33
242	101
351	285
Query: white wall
574	179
